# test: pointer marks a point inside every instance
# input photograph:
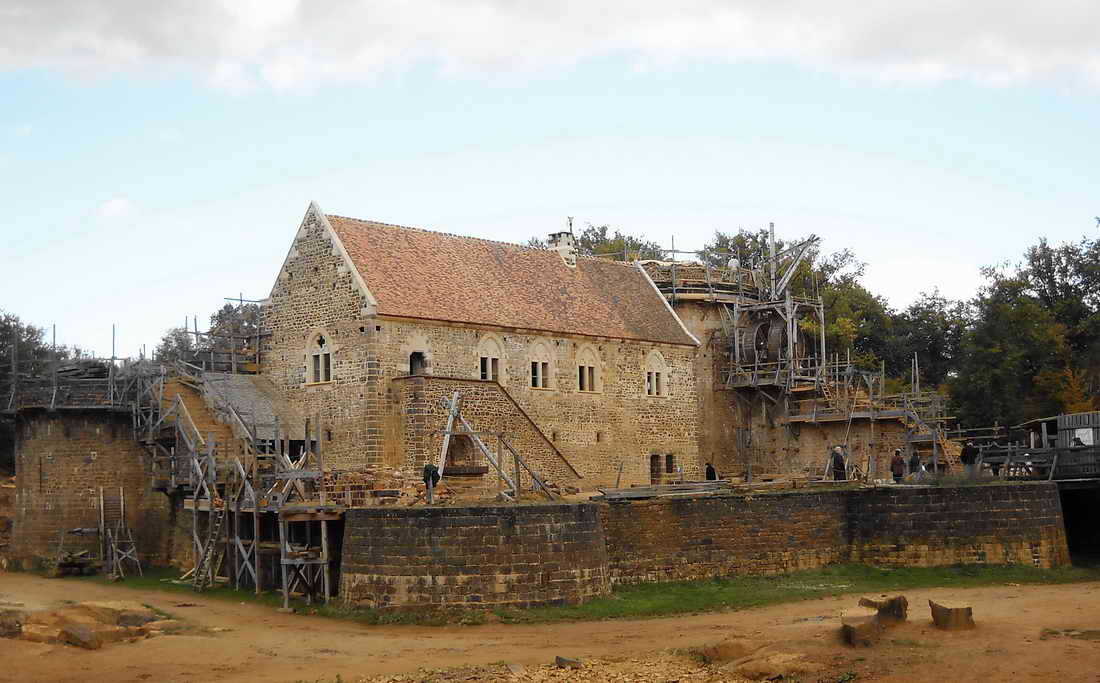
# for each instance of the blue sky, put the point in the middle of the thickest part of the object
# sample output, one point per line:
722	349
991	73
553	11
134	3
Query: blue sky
143	189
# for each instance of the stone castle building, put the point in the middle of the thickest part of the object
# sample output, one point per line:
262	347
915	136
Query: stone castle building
578	361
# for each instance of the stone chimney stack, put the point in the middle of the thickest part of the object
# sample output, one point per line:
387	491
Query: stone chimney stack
564	244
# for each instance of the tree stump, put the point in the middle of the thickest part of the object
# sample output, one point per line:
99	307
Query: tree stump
860	626
890	610
951	616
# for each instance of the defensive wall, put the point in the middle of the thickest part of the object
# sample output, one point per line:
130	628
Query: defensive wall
63	459
563	554
519	555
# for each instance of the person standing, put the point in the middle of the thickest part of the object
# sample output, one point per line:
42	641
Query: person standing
914	463
839	469
897	466
969	459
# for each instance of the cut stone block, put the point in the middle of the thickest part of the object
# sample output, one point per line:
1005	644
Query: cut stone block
952	616
860	626
38	633
567	663
80	635
890	610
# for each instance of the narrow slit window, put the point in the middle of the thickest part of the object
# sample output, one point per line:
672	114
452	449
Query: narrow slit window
535	381
581	376
544	376
591	378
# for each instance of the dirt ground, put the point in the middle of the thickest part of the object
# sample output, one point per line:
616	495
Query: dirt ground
1040	633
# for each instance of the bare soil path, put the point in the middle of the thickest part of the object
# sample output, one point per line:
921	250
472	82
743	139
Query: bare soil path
1025	633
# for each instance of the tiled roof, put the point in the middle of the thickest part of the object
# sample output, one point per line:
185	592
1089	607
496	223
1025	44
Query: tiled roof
417	273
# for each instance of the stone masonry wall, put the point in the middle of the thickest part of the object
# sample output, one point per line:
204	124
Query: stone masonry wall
315	295
596	431
687	539
488	409
61	462
521	556
554	553
931	527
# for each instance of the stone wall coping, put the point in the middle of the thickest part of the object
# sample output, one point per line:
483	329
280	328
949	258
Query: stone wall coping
449	511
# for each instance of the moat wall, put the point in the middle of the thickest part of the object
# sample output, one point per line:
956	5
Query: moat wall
564	554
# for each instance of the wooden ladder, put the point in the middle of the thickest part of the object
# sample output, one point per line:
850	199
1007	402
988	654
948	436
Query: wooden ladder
203	577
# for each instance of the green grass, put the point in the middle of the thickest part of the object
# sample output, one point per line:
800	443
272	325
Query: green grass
667	599
745	592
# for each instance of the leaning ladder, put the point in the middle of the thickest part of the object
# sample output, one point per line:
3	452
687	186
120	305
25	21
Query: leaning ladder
203	576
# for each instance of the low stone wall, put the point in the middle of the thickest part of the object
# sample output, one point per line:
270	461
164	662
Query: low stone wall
518	555
934	527
695	538
566	553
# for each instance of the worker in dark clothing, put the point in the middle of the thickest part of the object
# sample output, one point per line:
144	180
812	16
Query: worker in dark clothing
969	459
712	474
914	463
839	470
897	466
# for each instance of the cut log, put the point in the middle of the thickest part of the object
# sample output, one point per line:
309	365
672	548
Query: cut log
951	616
860	626
890	610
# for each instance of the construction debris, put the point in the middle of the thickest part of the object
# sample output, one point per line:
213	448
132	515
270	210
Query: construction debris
89	625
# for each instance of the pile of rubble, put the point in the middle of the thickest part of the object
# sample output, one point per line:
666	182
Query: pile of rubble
733	660
89	625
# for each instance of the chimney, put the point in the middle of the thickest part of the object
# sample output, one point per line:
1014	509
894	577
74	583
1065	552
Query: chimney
562	242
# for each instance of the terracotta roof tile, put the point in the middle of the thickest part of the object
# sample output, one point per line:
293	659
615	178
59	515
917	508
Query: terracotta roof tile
417	273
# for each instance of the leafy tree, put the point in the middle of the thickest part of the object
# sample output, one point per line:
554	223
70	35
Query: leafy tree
1011	360
178	344
600	240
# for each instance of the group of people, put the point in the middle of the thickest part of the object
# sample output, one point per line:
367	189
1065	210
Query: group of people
970	458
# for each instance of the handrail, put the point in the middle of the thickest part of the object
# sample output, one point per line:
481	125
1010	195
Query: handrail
186	413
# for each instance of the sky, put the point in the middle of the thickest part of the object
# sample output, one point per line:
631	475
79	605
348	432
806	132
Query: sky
156	158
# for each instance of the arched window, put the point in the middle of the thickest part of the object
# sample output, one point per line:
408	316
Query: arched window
656	375
320	360
588	370
490	353
542	369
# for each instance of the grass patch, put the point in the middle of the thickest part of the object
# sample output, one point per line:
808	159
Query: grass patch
746	592
665	599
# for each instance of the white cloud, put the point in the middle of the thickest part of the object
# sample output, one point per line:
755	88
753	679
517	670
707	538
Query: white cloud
115	208
22	130
285	43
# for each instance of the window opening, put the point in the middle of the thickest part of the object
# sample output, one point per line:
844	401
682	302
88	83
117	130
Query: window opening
490	368
322	362
586	377
670	464
417	363
540	374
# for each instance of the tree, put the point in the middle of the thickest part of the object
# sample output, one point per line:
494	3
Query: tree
599	240
1010	358
932	329
34	357
177	344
